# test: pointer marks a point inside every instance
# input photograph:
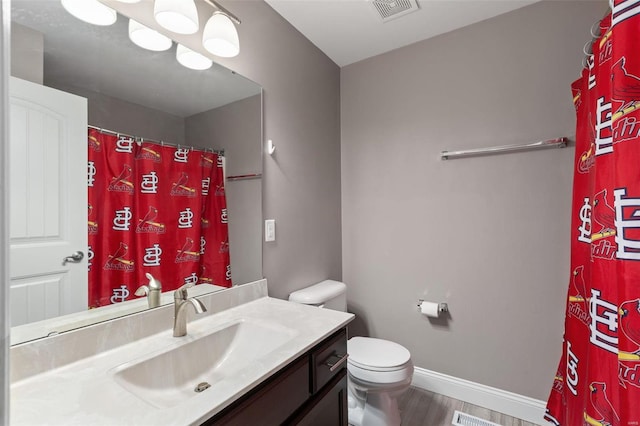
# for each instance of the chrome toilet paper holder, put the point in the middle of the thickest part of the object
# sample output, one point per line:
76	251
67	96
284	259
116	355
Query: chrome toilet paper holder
442	307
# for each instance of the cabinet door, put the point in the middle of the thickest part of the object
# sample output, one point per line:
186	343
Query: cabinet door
272	403
328	407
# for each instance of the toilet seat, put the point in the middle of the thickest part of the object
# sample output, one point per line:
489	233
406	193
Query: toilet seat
378	361
377	354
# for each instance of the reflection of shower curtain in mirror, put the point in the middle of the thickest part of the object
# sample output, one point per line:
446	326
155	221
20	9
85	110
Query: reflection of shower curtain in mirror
153	209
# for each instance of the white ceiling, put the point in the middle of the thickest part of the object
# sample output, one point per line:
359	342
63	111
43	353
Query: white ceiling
349	31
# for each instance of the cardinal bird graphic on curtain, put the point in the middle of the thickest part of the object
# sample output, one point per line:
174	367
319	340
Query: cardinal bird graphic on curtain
601	403
626	86
630	322
603	214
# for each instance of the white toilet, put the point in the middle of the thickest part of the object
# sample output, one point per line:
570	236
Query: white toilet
378	370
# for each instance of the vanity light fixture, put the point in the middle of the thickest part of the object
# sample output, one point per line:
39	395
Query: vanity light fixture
220	36
178	16
91	11
191	59
147	38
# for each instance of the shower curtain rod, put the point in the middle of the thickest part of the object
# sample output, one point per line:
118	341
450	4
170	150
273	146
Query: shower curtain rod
161	143
551	143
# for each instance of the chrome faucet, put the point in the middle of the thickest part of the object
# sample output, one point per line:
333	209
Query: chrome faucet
153	291
181	300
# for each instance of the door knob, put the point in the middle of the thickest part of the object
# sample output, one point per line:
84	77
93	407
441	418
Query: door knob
74	258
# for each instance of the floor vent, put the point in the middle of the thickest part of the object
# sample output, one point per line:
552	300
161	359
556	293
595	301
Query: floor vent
391	9
463	419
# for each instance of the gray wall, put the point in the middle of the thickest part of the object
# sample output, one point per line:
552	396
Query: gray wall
301	185
121	116
227	128
488	235
27	53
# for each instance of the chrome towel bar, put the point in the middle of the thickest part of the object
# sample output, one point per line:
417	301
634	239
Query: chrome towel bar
550	143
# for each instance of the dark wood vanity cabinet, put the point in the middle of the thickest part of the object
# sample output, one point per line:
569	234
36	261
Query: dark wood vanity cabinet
310	391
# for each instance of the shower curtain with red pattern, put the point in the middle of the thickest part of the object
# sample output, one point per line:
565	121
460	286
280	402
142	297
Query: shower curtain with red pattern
153	209
598	378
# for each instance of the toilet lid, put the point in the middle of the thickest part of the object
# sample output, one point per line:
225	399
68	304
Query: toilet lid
376	353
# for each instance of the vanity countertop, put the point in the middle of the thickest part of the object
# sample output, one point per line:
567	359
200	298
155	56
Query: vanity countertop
85	392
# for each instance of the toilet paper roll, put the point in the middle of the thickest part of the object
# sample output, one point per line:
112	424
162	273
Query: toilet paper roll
430	309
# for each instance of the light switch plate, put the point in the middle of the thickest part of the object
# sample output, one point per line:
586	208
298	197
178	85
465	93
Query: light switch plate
269	230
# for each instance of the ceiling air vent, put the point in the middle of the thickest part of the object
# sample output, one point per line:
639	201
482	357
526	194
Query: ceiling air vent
392	9
464	419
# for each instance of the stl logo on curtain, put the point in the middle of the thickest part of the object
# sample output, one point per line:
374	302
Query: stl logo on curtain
206	183
124	145
181	155
185	221
152	256
627	223
621	10
119	294
91	173
149	184
191	279
90	256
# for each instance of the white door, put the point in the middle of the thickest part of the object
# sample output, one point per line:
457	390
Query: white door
48	202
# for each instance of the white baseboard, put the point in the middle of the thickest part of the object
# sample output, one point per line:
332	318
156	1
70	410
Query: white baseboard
512	404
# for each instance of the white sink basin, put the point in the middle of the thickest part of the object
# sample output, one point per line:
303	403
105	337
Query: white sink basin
170	377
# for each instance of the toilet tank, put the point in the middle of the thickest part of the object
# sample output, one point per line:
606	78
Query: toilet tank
327	294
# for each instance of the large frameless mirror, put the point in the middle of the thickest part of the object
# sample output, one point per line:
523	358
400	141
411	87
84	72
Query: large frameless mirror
141	94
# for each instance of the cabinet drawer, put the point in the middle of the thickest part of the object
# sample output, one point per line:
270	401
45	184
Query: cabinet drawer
328	359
